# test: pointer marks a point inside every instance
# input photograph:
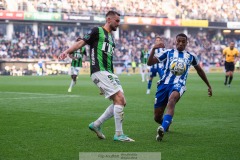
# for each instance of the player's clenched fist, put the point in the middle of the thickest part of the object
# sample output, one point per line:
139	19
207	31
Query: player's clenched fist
62	56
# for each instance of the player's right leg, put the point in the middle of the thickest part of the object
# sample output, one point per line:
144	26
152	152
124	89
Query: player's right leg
158	117
74	73
231	70
176	91
110	86
97	130
152	74
161	99
71	84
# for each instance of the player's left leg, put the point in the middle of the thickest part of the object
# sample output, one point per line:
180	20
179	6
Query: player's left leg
227	72
142	71
230	78
96	125
73	82
231	70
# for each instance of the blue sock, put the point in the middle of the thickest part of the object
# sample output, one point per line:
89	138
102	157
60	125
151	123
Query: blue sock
149	84
167	119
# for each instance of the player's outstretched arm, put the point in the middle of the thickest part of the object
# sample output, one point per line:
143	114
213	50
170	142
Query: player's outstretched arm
151	59
73	48
203	76
71	56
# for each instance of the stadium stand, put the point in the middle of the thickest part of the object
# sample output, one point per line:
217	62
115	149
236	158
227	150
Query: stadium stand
25	45
216	10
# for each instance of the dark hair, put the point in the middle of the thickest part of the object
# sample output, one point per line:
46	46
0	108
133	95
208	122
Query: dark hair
182	35
112	13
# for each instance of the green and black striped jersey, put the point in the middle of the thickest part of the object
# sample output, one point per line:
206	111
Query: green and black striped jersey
79	55
144	56
101	49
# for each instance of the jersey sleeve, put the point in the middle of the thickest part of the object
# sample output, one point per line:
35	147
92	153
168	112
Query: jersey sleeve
161	55
237	52
195	60
91	35
159	52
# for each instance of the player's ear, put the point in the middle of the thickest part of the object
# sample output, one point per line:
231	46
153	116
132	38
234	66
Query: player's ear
108	19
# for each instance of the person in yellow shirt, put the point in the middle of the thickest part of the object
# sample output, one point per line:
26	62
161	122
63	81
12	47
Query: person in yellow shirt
134	65
230	53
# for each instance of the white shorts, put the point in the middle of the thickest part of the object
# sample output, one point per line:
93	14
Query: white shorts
75	70
108	83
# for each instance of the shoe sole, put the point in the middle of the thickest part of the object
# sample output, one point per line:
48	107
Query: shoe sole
124	140
98	135
160	134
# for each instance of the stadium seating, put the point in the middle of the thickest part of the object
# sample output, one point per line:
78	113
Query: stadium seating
215	10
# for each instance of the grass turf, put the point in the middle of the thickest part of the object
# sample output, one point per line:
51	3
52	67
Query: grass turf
40	120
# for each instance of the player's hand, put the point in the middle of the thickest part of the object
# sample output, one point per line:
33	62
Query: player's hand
62	56
210	92
159	45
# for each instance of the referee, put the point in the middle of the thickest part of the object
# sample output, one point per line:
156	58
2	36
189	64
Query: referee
229	53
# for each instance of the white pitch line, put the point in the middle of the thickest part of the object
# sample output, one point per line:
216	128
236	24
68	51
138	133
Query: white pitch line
37	97
41	94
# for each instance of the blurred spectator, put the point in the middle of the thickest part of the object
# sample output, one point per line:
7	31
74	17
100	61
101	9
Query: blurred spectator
3	5
214	10
24	45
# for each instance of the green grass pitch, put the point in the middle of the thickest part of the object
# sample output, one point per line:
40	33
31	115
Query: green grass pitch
40	120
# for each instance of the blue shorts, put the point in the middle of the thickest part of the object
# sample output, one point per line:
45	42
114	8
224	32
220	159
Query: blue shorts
164	91
154	71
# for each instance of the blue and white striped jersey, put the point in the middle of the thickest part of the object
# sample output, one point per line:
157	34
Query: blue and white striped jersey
168	56
158	53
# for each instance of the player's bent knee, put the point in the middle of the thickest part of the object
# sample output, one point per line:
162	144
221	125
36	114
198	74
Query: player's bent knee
119	98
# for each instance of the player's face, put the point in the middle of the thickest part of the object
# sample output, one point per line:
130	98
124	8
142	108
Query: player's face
232	44
114	22
158	41
181	43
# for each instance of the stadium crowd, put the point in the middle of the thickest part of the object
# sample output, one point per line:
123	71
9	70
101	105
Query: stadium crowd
215	10
131	42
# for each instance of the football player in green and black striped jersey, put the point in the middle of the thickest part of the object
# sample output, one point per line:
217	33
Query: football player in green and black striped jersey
102	46
77	57
143	63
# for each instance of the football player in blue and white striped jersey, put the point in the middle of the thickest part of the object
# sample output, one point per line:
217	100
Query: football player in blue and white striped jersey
171	87
156	68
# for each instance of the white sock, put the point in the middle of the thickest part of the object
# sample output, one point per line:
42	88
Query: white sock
143	78
118	116
105	116
72	84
